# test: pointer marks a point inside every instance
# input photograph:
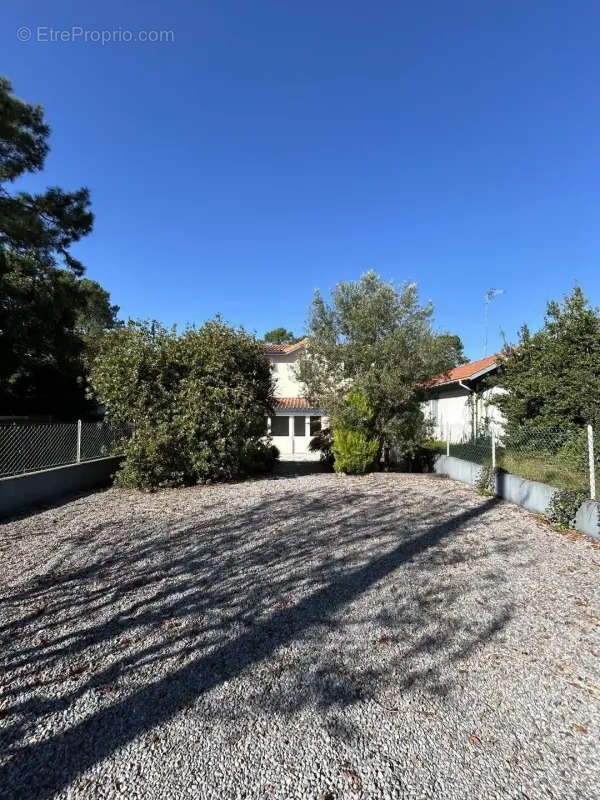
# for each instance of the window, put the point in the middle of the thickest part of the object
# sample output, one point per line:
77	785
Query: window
280	426
299	426
315	425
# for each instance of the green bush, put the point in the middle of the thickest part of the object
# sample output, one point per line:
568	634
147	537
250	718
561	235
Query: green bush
354	451
322	443
156	456
486	481
259	457
564	505
195	402
355	443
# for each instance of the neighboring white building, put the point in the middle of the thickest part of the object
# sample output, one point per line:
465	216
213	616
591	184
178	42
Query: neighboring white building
460	404
294	421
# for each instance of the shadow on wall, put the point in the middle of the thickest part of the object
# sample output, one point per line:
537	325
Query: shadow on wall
159	620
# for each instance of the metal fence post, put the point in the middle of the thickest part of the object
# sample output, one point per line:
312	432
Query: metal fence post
493	450
591	461
78	441
447	444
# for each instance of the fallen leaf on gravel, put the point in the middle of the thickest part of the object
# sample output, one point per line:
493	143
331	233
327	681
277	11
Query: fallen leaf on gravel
474	739
383	639
172	623
579	729
353	775
593	691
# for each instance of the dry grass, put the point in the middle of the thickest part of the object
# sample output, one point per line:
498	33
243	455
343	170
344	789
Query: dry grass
544	468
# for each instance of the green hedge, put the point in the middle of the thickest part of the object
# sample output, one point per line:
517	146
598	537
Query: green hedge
195	403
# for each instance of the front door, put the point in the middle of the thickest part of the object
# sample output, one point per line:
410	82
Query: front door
301	436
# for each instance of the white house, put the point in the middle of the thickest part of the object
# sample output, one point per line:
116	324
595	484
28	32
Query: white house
294	421
459	404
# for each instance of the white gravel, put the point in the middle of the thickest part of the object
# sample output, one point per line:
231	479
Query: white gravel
393	636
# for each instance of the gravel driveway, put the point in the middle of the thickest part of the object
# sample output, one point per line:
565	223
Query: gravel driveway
304	637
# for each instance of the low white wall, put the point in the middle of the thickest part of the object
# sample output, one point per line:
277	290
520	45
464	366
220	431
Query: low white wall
587	519
457	468
19	492
532	495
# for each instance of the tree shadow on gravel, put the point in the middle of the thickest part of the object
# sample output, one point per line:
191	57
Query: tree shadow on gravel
147	614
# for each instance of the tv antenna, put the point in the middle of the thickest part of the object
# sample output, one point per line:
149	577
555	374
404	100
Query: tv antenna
489	296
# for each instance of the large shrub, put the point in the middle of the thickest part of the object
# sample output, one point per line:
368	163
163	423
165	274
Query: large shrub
195	403
354	451
356	444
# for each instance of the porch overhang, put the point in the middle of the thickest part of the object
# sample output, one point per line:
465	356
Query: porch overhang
289	406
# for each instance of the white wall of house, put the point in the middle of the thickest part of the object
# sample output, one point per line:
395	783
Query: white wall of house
453	415
296	422
282	366
298	425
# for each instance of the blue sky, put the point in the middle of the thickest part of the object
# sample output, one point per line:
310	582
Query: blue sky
272	148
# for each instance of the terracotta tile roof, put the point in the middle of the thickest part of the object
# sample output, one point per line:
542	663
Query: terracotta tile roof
465	371
282	349
290	402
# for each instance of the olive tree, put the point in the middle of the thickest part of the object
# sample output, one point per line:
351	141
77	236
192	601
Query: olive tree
376	341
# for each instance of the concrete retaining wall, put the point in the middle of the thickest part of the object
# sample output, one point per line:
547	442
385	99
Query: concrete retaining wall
587	519
20	492
532	495
457	468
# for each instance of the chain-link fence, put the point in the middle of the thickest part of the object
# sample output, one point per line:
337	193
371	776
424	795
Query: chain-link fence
559	457
26	447
472	448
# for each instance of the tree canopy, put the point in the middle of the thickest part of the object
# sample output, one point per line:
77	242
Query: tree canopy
281	336
194	404
454	348
378	341
552	377
44	225
47	311
94	313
